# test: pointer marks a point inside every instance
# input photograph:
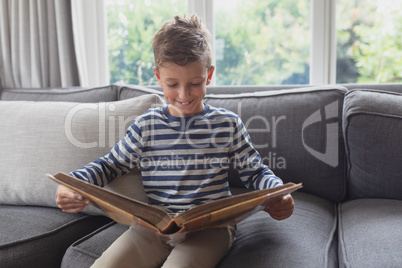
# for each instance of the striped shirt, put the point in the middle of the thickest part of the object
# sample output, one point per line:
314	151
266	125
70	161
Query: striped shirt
184	161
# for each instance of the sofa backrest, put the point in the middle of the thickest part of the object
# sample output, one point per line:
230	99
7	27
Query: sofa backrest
386	87
372	125
298	131
74	94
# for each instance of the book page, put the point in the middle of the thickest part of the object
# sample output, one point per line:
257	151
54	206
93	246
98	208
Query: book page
233	200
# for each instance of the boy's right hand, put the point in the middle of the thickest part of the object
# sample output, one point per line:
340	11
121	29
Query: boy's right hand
70	201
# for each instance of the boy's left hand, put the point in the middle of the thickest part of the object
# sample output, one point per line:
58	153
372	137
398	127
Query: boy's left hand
280	207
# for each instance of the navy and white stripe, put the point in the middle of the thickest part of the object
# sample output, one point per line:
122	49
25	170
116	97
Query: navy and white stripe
183	161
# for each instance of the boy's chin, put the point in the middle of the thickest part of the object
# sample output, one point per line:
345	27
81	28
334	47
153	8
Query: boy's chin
185	110
181	112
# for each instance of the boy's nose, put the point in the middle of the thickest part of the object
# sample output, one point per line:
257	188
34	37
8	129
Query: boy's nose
184	92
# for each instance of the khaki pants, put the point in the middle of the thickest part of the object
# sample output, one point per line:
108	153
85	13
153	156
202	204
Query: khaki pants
141	248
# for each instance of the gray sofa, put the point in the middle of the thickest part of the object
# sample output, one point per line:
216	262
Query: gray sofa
343	142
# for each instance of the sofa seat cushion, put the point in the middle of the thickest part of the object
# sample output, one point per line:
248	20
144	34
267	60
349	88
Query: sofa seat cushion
85	251
39	236
303	240
306	239
372	130
370	233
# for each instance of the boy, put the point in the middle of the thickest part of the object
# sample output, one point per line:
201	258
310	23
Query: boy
183	151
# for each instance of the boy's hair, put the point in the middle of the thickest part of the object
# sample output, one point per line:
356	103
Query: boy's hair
183	41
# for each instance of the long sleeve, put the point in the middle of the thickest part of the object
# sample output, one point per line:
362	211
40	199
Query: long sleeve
253	173
123	157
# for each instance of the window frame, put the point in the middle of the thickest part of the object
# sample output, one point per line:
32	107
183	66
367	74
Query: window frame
323	42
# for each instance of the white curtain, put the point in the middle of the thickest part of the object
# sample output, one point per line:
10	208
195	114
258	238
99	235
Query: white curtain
90	39
43	45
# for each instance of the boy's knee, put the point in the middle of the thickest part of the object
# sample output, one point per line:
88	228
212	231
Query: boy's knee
201	249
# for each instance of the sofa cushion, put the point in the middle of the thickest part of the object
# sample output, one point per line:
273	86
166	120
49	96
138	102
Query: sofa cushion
306	239
132	91
85	251
298	133
370	233
39	236
372	130
76	94
50	137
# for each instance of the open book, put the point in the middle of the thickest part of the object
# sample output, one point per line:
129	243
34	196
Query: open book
218	213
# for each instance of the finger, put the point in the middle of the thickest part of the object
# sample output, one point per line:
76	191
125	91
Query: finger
65	199
281	210
87	201
71	195
78	201
65	193
72	207
281	215
286	200
68	204
275	200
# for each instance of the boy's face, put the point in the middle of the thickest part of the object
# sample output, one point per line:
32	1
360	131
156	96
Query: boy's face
184	87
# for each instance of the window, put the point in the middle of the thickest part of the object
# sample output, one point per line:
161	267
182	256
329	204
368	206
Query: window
131	27
369	41
262	42
268	42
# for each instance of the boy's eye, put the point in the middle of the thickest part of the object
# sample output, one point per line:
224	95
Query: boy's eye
196	84
192	84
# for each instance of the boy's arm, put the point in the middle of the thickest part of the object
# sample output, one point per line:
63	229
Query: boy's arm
123	157
253	173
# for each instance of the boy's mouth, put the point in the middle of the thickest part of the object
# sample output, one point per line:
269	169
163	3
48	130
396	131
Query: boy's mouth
184	103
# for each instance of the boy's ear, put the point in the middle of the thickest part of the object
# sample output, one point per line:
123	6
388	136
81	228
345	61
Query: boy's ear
157	75
210	74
